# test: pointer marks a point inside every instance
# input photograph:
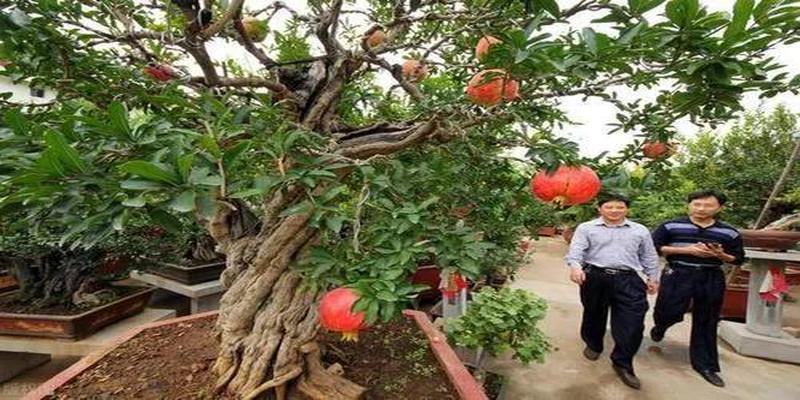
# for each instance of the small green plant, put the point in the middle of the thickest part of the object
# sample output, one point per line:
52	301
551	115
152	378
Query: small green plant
501	320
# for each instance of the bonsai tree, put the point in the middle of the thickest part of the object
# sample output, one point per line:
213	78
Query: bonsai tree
499	321
309	131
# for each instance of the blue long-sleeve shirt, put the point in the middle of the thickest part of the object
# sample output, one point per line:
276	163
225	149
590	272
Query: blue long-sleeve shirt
628	245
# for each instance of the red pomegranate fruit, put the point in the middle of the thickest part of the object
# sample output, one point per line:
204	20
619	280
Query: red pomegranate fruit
160	72
656	150
414	70
336	313
376	38
484	44
567	186
489	87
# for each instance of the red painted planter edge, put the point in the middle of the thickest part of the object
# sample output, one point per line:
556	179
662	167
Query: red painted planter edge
463	381
465	384
49	387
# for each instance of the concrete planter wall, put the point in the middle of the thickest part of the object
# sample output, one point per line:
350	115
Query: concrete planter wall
463	382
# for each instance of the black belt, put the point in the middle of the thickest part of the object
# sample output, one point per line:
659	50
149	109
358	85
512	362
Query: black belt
608	271
687	265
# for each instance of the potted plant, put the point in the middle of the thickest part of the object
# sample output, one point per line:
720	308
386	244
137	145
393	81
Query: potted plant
63	291
499	321
197	263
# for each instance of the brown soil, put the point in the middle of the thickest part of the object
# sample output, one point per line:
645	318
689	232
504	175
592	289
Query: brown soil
169	362
11	304
393	360
173	362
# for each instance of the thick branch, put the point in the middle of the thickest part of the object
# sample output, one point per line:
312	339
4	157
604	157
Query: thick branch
406	139
326	30
274	86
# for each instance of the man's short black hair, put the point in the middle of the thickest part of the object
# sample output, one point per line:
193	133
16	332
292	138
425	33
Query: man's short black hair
606	197
706	193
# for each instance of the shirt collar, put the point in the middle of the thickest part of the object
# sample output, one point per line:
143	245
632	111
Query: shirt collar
601	221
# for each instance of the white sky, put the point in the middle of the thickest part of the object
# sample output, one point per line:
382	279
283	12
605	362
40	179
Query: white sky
594	114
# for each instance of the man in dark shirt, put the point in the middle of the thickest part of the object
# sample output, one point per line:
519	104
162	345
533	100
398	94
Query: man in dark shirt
696	247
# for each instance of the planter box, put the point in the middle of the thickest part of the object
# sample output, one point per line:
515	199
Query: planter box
74	326
770	240
189	275
428	275
547	231
463	382
734	303
7	282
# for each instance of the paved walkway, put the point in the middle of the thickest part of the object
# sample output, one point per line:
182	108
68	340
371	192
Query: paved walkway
663	367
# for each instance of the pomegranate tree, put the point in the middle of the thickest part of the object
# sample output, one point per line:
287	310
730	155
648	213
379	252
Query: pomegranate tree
303	135
567	186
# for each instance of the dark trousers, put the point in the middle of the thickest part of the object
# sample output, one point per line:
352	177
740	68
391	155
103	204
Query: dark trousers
705	287
625	294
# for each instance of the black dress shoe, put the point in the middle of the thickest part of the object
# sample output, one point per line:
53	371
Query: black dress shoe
590	354
712	377
656	334
628	377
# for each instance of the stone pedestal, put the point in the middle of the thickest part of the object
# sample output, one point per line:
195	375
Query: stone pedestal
762	335
203	296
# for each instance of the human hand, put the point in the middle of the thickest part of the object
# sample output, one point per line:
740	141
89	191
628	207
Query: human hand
577	275
701	250
652	286
717	250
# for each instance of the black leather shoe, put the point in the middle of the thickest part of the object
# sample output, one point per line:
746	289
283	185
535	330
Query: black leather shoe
628	377
656	334
590	354
712	378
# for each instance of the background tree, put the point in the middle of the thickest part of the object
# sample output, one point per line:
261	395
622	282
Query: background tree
744	162
275	160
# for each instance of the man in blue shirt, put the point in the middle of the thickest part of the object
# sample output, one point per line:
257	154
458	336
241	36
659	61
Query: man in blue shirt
696	247
605	257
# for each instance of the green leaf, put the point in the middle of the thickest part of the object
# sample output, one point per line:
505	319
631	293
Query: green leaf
387	296
209	143
136	184
591	40
372	312
334	223
643	6
630	34
682	12
551	6
185	165
166	220
184	202
135	202
66	155
151	171
118	117
232	154
741	14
